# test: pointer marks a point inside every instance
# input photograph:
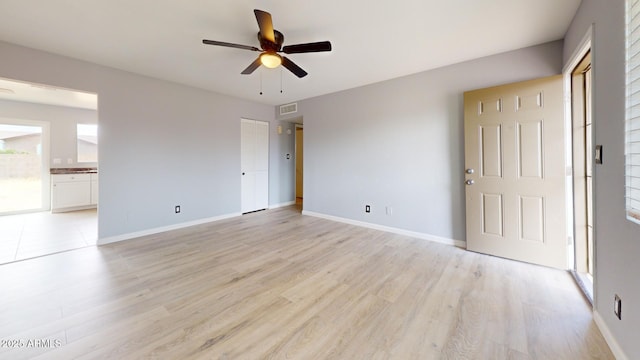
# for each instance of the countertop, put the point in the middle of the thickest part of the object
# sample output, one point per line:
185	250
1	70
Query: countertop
57	171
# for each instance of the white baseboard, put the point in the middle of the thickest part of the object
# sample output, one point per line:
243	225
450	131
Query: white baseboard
162	229
608	337
434	238
288	203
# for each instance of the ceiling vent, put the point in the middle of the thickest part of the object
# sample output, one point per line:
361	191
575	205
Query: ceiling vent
288	109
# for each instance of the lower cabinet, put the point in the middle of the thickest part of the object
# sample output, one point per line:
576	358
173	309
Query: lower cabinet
73	192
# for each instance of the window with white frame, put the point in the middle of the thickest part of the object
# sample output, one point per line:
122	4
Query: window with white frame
632	122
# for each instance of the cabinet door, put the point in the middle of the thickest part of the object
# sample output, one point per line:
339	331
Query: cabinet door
70	194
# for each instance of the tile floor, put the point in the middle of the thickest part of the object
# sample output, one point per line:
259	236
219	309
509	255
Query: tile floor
31	235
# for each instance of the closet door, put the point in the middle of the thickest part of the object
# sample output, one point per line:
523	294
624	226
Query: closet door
254	158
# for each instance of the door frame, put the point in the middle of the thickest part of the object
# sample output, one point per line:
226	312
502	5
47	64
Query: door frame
45	168
585	46
295	167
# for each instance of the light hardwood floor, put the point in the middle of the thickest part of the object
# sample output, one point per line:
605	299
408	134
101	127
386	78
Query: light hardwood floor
279	285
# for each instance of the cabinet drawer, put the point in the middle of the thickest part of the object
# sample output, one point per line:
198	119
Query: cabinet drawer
70	177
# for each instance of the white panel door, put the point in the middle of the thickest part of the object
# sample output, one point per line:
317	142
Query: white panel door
261	158
254	163
515	161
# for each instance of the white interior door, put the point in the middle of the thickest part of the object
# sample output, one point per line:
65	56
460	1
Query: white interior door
254	159
515	169
299	161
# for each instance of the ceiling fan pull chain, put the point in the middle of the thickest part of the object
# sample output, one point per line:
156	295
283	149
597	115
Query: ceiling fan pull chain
280	80
260	82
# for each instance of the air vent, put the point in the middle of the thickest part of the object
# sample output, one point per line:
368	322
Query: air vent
288	109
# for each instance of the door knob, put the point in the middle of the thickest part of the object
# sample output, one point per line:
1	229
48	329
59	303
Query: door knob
469	171
469	182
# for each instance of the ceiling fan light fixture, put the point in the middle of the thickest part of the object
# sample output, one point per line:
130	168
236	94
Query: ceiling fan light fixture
270	60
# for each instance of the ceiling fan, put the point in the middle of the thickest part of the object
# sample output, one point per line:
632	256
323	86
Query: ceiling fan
271	44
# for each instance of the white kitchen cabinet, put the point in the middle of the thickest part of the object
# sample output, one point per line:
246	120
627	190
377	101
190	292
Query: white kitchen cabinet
71	192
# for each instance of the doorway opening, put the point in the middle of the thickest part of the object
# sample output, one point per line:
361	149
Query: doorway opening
299	164
32	153
582	143
24	166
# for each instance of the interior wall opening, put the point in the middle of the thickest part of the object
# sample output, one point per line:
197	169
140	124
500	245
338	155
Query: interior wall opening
48	170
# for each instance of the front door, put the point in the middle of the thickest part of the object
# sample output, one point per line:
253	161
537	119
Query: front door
515	171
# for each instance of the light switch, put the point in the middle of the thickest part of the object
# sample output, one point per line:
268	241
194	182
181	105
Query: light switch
57	161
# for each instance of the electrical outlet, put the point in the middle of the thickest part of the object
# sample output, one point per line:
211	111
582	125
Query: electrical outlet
177	209
617	307
389	210
367	208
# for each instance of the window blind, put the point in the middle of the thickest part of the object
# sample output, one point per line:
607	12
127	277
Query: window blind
632	122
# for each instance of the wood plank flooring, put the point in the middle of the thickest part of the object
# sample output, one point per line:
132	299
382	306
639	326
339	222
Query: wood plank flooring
279	285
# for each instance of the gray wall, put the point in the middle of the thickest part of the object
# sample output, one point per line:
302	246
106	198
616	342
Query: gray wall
161	143
617	239
62	126
399	143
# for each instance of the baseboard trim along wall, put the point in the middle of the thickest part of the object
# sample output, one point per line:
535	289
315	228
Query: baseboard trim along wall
162	229
434	238
608	337
288	203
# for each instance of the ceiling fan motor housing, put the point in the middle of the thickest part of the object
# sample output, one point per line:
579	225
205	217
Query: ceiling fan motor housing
267	45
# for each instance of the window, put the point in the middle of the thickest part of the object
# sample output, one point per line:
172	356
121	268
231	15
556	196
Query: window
87	143
632	123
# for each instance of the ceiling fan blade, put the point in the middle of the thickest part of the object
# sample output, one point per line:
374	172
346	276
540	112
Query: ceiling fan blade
293	67
251	68
237	46
307	48
265	24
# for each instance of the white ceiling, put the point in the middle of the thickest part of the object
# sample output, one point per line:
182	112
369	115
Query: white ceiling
40	94
371	43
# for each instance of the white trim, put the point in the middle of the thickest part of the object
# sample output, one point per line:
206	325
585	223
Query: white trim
434	238
162	229
74	208
586	45
580	51
608	337
288	203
